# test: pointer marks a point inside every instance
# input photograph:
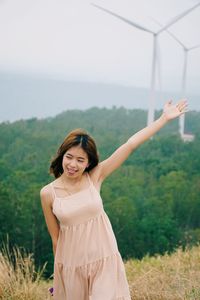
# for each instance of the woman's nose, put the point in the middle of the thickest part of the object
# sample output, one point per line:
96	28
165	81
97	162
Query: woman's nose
73	163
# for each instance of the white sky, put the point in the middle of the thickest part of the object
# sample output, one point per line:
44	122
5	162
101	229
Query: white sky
71	39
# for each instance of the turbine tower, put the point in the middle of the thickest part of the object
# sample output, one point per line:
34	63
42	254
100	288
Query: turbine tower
151	109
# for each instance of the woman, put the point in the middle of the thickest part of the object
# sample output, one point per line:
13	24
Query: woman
87	263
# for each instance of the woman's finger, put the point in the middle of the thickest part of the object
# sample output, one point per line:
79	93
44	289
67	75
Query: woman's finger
181	105
181	102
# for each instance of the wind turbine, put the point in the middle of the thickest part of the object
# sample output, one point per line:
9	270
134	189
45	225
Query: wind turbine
186	50
183	86
151	109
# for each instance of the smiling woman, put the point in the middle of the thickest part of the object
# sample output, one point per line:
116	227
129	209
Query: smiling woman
87	264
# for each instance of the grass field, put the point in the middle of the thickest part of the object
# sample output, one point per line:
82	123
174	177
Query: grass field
168	277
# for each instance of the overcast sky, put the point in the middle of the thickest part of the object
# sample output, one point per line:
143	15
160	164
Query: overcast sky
71	39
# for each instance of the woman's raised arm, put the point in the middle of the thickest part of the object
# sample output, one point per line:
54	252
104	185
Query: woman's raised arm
170	112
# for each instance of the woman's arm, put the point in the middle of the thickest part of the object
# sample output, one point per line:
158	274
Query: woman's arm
51	221
170	112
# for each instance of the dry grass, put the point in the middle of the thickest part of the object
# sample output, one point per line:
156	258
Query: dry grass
168	277
18	278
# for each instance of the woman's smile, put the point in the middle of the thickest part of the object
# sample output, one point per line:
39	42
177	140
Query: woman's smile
71	171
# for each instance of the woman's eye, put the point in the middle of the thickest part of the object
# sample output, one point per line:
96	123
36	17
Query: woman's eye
80	161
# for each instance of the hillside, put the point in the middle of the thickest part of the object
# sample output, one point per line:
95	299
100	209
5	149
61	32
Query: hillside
152	200
26	96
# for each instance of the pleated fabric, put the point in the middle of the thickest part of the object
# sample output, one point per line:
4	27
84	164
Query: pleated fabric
87	264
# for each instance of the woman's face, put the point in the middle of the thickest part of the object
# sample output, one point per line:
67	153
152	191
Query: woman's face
75	161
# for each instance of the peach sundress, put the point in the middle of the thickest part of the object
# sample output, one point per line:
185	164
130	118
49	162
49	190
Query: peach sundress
87	264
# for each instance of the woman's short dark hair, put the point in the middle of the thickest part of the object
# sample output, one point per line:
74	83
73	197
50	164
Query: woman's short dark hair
77	137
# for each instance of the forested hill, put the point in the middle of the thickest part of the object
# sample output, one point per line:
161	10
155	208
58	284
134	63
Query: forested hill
153	200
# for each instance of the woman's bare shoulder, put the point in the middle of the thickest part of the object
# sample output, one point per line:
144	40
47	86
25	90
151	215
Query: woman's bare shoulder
95	175
46	193
45	190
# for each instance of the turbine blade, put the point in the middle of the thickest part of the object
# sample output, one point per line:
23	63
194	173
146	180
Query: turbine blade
178	17
123	19
194	47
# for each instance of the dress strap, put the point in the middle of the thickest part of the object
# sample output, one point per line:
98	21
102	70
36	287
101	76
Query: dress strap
53	190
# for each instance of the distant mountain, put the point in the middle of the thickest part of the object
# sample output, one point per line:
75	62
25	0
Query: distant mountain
25	96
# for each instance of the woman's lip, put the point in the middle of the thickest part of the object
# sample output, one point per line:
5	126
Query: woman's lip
71	171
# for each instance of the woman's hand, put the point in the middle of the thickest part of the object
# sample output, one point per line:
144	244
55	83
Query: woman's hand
172	111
